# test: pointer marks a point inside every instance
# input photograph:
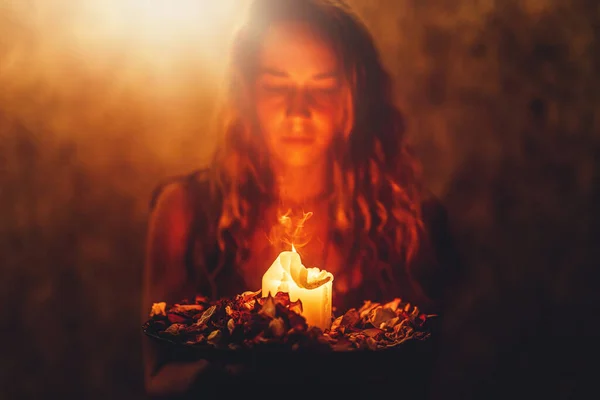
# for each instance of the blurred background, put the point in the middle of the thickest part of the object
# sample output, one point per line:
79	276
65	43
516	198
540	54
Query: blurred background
100	100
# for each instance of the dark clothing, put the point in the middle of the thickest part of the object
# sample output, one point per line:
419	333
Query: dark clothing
216	276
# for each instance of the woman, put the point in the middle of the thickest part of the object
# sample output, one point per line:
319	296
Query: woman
309	130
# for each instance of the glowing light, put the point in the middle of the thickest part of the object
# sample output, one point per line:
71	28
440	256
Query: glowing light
312	286
154	23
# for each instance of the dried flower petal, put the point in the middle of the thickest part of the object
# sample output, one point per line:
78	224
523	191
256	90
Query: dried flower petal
393	305
296	306
391	323
373	332
371	343
367	307
282	298
176	318
214	337
268	308
206	315
249	295
183	308
249	321
336	323
297	322
231	325
201	299
196	339
277	327
158	309
381	315
174	329
351	318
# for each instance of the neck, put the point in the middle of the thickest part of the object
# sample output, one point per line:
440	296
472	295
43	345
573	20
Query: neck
301	185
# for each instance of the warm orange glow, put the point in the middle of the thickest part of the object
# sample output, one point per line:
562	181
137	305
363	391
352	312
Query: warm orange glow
293	248
157	32
154	22
114	61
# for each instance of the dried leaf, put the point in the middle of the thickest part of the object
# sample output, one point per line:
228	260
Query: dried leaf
282	298
297	322
183	308
381	315
393	305
391	323
214	337
196	339
277	327
336	323
158	309
231	325
248	321
371	343
415	312
174	329
248	295
343	345
373	332
296	306
201	299
268	308
176	318
365	310
206	316
350	319
399	326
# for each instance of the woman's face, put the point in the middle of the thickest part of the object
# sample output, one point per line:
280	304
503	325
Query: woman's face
298	95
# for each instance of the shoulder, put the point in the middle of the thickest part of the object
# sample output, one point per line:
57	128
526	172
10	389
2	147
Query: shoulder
180	190
175	203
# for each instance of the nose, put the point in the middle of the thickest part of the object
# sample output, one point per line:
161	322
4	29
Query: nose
298	104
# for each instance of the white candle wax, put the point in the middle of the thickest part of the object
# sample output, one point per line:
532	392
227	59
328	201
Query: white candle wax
312	286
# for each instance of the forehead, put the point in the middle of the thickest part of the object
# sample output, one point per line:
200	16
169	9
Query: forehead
296	48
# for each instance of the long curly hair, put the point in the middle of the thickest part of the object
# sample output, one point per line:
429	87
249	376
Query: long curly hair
375	200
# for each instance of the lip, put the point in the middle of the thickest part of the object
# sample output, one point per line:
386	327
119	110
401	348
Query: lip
298	140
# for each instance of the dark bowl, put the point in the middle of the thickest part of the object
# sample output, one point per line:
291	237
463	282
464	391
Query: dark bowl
407	366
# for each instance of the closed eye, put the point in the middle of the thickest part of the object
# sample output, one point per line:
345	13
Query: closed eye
275	88
325	89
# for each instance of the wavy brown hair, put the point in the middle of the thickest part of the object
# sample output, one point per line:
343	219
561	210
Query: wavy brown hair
375	202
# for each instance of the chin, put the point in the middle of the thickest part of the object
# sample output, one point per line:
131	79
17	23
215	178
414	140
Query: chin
298	161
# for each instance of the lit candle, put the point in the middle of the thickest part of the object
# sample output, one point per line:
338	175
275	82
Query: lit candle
311	285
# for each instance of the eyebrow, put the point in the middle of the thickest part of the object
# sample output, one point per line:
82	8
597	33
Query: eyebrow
282	74
326	75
